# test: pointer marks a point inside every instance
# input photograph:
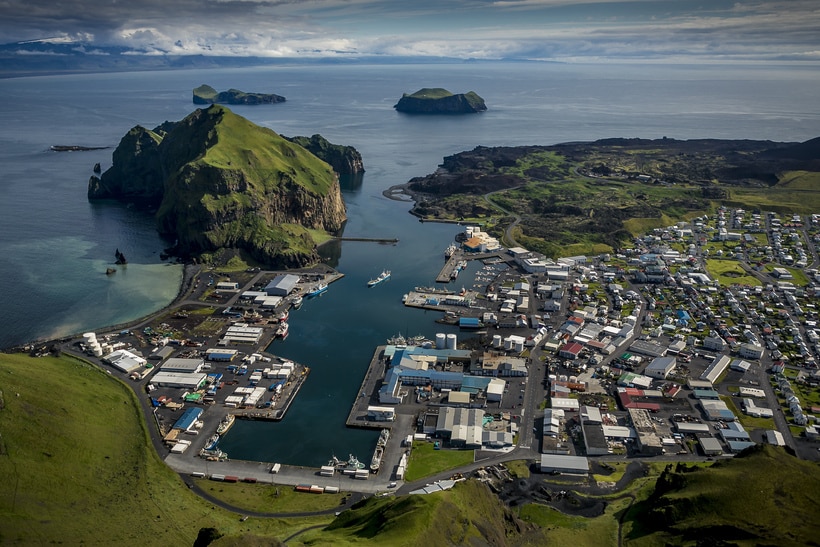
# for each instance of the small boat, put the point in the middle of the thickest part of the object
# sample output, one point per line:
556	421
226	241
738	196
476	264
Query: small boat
376	461
384	276
282	330
449	251
212	442
226	423
297	302
319	289
404	298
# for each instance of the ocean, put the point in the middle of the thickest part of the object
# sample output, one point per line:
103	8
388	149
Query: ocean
55	245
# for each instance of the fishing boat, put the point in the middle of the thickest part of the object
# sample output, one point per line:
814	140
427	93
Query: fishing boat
282	330
449	251
297	302
384	276
282	317
226	423
212	442
375	463
319	289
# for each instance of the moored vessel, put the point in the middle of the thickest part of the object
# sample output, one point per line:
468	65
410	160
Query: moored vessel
319	289
384	276
226	423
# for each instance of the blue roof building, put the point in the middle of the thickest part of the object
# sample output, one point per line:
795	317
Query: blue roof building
188	418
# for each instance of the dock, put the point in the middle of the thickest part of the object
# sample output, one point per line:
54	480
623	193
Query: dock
446	273
369	394
274	414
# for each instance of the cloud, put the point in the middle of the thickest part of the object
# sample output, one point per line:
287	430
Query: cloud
489	29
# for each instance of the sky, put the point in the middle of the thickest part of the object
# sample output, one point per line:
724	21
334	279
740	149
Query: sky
559	30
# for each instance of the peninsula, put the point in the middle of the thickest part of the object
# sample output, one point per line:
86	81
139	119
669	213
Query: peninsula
222	185
440	101
205	94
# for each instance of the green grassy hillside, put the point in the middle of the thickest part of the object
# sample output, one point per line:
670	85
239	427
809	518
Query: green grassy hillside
762	497
77	467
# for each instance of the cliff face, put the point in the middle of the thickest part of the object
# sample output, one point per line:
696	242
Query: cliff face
136	172
345	160
224	182
440	101
205	94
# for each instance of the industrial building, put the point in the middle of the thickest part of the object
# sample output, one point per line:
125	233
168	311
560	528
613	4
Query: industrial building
381	413
716	368
710	446
648	441
124	360
188	419
462	426
282	285
184	366
561	463
661	367
242	334
180	380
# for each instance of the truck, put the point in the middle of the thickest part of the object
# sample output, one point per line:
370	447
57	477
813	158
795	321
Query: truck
275	467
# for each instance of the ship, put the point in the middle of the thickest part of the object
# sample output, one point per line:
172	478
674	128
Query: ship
384	276
297	302
282	317
352	463
282	330
377	458
319	289
226	423
384	436
212	442
449	251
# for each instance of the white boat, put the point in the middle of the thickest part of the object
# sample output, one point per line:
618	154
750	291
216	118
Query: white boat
297	302
384	276
319	289
225	424
282	330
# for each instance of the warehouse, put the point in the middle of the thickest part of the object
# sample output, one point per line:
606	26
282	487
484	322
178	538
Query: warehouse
661	367
239	334
559	463
188	419
282	285
648	440
461	425
179	380
716	368
184	366
710	446
125	361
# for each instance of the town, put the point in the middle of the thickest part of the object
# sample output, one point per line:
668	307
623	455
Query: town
695	343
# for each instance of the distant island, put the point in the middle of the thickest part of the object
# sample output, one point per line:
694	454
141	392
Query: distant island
440	101
205	94
223	186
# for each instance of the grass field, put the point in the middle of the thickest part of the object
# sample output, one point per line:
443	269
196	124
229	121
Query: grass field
425	460
266	498
729	272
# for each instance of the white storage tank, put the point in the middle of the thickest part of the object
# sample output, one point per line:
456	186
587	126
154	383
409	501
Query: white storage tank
441	340
98	352
497	341
452	341
89	337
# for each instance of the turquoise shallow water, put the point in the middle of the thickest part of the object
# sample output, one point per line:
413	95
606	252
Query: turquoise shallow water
55	245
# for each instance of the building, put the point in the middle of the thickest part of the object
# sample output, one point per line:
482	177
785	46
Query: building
183	366
191	381
648	440
570	350
560	463
661	367
750	351
710	446
188	419
462	426
650	349
716	368
124	360
594	439
381	413
282	285
775	438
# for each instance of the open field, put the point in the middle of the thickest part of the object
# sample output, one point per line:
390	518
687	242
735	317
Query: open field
729	272
425	460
